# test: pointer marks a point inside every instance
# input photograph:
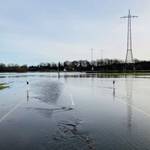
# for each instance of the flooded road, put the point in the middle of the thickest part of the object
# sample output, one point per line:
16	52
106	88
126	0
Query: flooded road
76	111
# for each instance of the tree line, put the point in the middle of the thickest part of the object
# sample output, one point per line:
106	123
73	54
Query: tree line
102	65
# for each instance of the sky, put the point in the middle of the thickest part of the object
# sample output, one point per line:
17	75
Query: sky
35	31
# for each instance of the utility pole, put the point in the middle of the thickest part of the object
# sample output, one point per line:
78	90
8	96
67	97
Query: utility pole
92	58
92	54
129	53
101	54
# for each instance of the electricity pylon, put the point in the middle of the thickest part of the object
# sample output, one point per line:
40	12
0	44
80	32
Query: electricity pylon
129	53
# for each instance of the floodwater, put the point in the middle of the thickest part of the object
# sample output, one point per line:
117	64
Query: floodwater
76	111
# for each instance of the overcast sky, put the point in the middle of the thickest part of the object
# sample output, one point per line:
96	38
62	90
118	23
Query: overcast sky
34	31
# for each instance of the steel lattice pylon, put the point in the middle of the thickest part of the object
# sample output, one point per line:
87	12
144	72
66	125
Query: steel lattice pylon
129	54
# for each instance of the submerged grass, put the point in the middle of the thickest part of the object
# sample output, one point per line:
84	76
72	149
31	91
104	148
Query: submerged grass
3	86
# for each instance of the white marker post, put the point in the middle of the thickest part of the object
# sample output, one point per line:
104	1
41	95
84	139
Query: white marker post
113	88
27	90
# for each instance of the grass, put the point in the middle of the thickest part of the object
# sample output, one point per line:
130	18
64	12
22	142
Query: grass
117	74
3	86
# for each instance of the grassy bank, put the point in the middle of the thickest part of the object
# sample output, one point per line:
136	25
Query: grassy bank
3	86
118	75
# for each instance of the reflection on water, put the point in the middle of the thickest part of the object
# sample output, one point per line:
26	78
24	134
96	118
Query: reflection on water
68	132
49	91
127	98
27	95
129	91
48	119
114	93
